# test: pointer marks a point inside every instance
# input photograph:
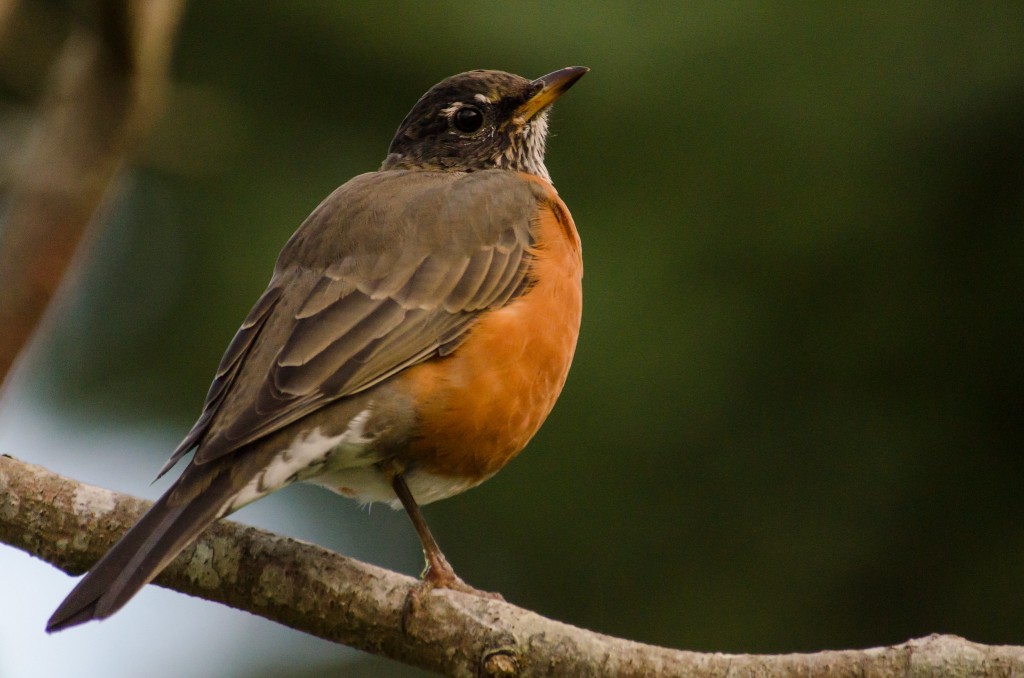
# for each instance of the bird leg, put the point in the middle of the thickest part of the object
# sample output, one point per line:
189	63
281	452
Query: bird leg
438	572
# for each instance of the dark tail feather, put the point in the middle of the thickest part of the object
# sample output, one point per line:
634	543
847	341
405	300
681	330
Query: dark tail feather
153	542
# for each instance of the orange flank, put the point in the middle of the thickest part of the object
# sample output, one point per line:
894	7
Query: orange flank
479	406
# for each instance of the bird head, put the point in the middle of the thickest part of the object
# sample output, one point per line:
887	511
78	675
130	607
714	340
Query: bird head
480	120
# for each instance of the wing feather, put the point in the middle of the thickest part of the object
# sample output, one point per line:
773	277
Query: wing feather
468	287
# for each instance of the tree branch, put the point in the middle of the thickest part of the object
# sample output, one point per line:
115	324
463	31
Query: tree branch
310	589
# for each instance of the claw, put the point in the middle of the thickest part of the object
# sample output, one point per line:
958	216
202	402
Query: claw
438	578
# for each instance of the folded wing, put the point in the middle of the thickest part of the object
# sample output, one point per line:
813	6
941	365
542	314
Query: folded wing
391	269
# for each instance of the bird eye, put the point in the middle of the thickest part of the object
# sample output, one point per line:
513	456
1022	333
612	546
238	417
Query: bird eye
468	119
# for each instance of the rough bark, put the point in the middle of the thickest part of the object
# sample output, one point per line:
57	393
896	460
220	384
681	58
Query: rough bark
70	524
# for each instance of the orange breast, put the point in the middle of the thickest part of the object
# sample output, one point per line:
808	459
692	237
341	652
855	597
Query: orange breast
479	406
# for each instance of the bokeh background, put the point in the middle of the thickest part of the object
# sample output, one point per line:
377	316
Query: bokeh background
794	420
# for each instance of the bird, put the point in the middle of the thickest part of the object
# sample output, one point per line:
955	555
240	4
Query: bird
416	332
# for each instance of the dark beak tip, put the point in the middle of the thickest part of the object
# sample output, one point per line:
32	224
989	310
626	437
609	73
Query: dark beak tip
563	78
578	71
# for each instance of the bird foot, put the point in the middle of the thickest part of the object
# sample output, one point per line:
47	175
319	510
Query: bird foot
438	578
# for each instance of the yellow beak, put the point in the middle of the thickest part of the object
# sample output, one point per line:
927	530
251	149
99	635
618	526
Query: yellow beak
551	86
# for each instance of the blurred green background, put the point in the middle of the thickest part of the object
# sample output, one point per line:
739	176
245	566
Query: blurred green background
794	418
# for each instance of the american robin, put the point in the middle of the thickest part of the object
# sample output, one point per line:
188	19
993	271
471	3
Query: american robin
416	332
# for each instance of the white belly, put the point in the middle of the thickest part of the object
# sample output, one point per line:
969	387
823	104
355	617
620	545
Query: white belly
345	464
366	484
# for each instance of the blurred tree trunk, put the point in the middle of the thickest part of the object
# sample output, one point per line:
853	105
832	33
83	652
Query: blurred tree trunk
104	91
